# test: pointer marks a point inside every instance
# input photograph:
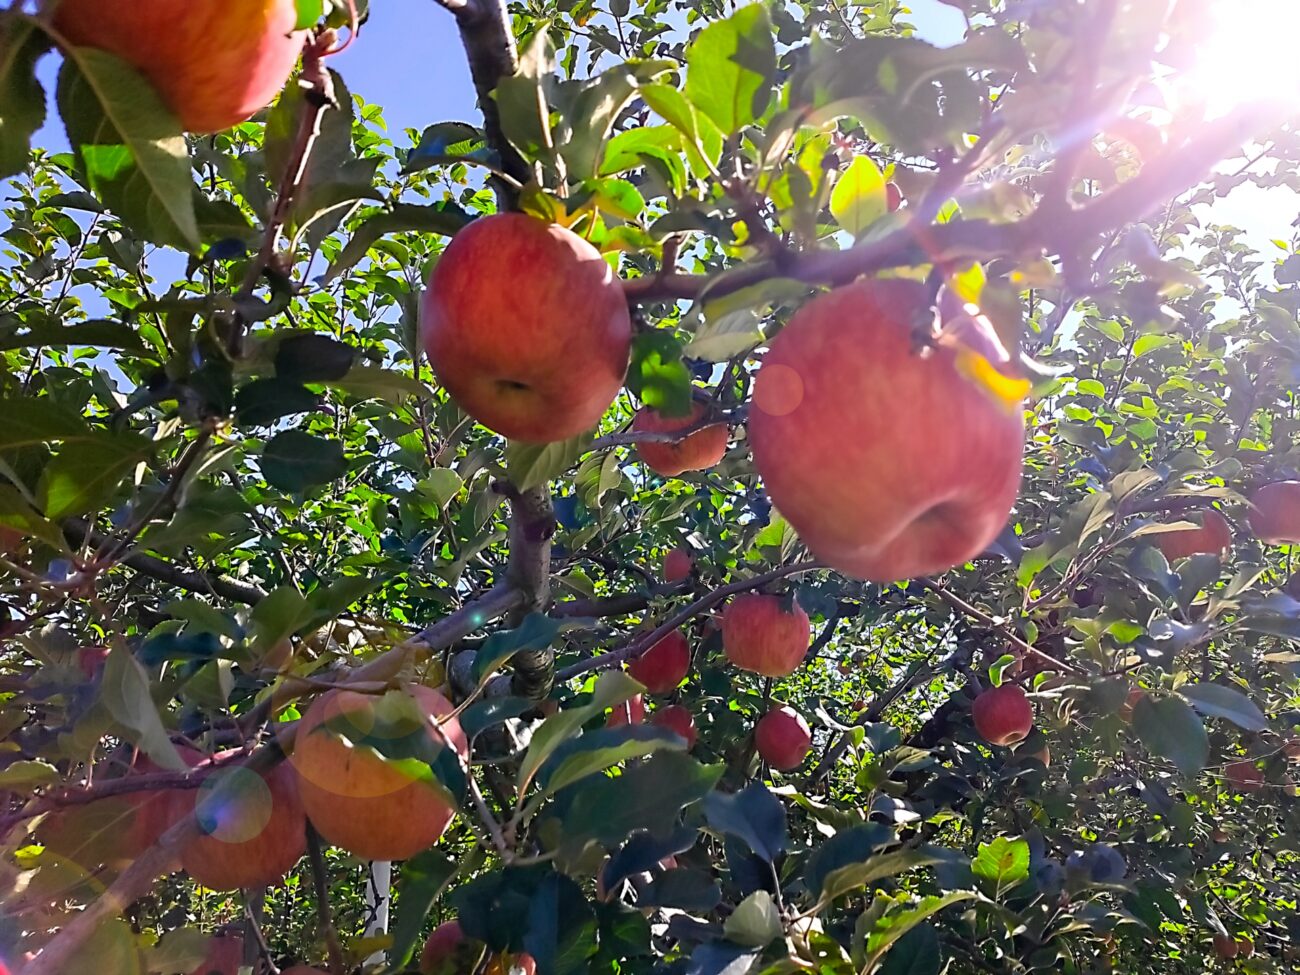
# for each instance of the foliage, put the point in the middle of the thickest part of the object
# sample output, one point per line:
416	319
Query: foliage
224	458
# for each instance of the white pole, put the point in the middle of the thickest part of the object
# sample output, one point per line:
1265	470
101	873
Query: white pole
377	900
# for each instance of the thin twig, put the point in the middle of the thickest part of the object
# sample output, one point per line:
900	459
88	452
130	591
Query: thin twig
323	912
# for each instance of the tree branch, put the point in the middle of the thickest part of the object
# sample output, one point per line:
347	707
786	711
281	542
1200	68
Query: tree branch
323	913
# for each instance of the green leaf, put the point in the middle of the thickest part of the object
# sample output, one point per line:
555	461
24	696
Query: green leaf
755	923
438	218
310	357
890	927
263	401
294	460
1171	729
918	952
646	796
604	748
85	477
521	98
309	13
125	691
594	109
37	420
859	875
22	99
424	877
24	775
612	687
730	67
849	847
129	145
1004	862
1219	701
376	382
560	931
537	631
657	375
102	334
534	464
859	199
753	815
728	326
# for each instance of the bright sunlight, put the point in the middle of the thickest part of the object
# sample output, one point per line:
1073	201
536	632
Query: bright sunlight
1249	54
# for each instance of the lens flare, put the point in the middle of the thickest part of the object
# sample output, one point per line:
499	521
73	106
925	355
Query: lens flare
1247	55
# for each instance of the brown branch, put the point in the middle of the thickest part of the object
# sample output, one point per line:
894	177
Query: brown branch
621	605
956	602
639	645
324	915
532	523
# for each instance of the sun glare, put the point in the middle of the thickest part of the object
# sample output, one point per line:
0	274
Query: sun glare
1248	54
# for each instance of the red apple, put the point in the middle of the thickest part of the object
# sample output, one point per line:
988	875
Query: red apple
1245	947
1244	776
526	325
1291	749
664	665
91	659
678	720
1214	535
631	711
760	634
449	952
893	196
1002	715
358	800
783	738
1225	946
678	565
252	828
698	451
1130	702
891	462
213	64
1275	513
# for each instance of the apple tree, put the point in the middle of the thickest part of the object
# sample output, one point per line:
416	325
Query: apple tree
766	494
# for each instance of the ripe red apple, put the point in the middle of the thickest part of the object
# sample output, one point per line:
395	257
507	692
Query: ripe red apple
252	829
664	665
1244	776
526	325
214	64
225	955
783	738
698	451
761	635
1245	947
91	659
631	711
890	462
358	800
1130	702
449	952
1003	715
1214	535
679	720
1225	946
893	196
1275	513
678	565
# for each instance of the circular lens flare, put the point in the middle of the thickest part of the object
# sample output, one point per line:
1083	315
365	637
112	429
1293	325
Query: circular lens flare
1247	54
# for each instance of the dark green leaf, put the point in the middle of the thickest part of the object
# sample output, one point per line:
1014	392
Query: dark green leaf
1172	730
851	846
1220	701
22	99
646	796
753	815
657	375
294	460
263	401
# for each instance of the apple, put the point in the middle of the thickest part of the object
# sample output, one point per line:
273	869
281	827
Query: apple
225	955
1003	715
526	326
1212	538
1225	946
1245	947
783	738
213	64
11	541
1291	749
631	711
1275	513
891	462
91	659
679	720
678	565
893	196
358	800
1244	776
664	665
448	952
698	451
760	634
252	829
1130	702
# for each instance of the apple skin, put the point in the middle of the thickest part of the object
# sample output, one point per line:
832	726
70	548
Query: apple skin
679	720
1135	694
1244	776
1003	715
443	955
1212	538
225	956
760	635
526	325
1274	514
1225	946
214	64
631	711
698	451
356	799
678	565
254	839
890	463
90	660
664	665
893	196
783	738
